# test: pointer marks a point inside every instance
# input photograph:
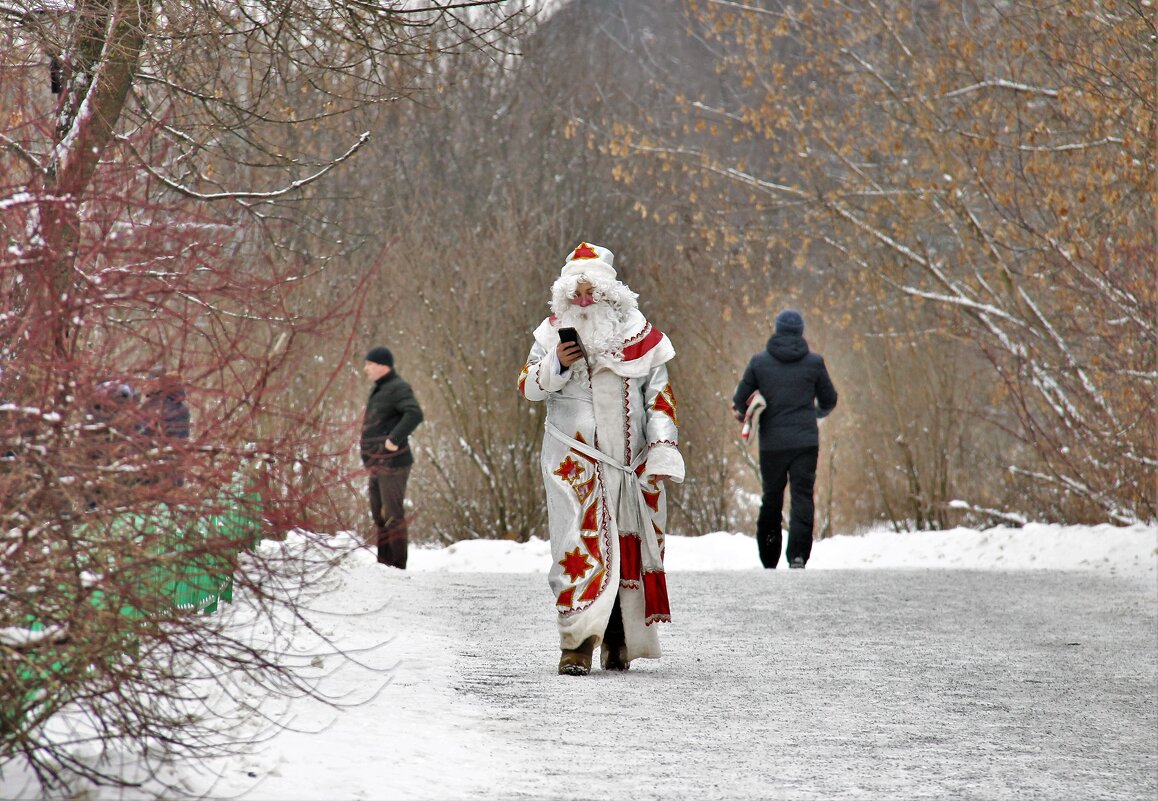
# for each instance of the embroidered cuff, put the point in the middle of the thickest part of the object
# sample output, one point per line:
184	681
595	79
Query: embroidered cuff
664	459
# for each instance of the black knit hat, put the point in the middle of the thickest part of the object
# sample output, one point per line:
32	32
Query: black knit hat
380	355
789	321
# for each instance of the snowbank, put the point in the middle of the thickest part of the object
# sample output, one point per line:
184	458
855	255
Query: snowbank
1105	548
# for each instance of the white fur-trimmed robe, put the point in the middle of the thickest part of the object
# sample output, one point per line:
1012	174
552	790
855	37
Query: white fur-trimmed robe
610	429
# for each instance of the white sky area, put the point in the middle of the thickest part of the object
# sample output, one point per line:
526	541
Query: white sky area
412	727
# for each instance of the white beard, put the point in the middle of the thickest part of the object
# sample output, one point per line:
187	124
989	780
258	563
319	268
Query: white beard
598	326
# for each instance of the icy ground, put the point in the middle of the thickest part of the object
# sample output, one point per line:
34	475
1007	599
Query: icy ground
963	664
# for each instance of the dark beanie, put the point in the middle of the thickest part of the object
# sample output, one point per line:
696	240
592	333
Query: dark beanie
380	355
789	321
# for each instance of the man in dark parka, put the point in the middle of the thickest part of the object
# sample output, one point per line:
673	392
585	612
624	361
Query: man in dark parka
798	392
392	414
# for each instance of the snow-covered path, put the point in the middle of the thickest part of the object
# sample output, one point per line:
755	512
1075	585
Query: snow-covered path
786	684
983	665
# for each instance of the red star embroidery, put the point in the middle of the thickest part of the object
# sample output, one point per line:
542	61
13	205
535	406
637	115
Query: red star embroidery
568	469
584	251
575	565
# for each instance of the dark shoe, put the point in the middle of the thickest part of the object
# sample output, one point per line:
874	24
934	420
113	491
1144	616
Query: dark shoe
797	563
614	657
613	652
577	661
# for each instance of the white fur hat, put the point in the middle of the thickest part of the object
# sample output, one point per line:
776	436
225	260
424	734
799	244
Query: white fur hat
590	260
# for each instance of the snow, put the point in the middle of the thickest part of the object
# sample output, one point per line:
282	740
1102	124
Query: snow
408	722
18	199
18	637
1105	548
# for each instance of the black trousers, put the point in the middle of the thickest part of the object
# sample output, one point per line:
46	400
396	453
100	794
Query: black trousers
387	493
778	469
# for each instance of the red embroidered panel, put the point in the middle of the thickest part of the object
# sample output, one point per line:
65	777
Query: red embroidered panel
655	604
565	597
665	402
652	500
584	489
593	587
641	348
629	558
592	546
627	421
589	520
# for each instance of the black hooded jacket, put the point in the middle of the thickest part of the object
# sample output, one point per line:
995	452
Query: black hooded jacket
797	389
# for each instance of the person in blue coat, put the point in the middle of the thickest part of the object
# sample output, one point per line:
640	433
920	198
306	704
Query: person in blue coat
797	392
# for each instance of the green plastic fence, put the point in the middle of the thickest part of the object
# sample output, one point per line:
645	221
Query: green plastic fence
183	571
194	579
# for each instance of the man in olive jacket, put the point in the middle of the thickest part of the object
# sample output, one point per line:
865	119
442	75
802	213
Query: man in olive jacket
797	390
392	414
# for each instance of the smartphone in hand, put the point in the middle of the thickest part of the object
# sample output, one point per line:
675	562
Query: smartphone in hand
569	335
572	336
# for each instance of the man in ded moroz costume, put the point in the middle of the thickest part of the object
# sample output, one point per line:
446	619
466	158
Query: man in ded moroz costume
610	444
